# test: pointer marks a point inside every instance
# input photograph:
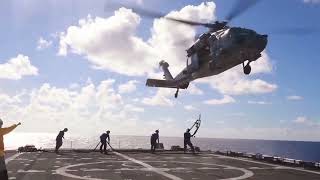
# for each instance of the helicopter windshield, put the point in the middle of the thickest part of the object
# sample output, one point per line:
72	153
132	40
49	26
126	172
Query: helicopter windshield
242	31
225	33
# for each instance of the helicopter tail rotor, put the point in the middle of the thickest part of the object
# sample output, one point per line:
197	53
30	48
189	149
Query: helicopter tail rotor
164	65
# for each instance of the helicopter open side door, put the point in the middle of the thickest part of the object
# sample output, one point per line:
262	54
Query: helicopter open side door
192	64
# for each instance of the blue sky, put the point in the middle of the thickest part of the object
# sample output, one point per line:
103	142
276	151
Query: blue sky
83	85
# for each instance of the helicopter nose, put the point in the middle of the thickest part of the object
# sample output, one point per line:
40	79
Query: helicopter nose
261	42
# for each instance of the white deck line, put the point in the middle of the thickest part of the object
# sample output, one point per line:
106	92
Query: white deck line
247	173
149	167
274	165
63	171
13	157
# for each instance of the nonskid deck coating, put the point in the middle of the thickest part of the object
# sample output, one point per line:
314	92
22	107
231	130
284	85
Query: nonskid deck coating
130	166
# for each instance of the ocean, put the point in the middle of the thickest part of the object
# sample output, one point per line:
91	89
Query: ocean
307	151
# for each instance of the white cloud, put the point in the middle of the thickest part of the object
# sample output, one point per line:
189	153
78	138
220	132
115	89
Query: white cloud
136	100
190	108
89	107
6	99
43	44
225	100
234	82
161	98
294	98
311	1
133	108
92	108
111	43
140	2
220	122
305	121
259	102
239	114
17	67
74	86
85	110
301	120
128	87
193	89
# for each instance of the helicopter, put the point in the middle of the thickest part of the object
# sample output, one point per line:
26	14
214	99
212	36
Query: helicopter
221	48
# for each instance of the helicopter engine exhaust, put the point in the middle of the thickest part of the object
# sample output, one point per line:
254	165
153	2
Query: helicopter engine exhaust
164	65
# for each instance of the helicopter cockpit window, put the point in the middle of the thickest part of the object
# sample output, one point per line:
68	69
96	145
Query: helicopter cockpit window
212	38
204	36
189	61
225	33
245	32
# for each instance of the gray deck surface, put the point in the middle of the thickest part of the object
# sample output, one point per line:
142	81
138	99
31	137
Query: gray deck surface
138	166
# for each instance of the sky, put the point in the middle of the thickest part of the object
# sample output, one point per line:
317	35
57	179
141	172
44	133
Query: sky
73	64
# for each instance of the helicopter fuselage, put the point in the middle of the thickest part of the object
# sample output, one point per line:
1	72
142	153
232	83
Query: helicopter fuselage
214	53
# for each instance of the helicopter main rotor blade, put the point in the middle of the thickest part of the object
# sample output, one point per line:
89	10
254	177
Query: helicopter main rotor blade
240	7
154	14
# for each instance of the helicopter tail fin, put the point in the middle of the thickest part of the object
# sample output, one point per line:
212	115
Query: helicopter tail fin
164	65
165	84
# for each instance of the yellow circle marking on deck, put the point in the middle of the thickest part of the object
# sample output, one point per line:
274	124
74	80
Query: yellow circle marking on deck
162	171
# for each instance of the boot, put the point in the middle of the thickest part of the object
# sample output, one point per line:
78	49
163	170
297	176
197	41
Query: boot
4	175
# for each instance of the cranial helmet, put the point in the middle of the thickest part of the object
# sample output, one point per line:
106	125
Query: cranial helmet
157	131
65	129
108	131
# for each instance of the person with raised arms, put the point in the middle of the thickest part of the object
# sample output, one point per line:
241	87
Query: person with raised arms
4	131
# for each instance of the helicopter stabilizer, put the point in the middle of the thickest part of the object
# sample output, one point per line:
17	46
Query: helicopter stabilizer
165	84
161	83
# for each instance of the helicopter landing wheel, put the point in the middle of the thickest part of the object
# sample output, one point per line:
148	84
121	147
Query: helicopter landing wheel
247	69
176	94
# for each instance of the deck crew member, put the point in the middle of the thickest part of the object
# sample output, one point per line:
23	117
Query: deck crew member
153	140
59	139
4	131
103	140
187	141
